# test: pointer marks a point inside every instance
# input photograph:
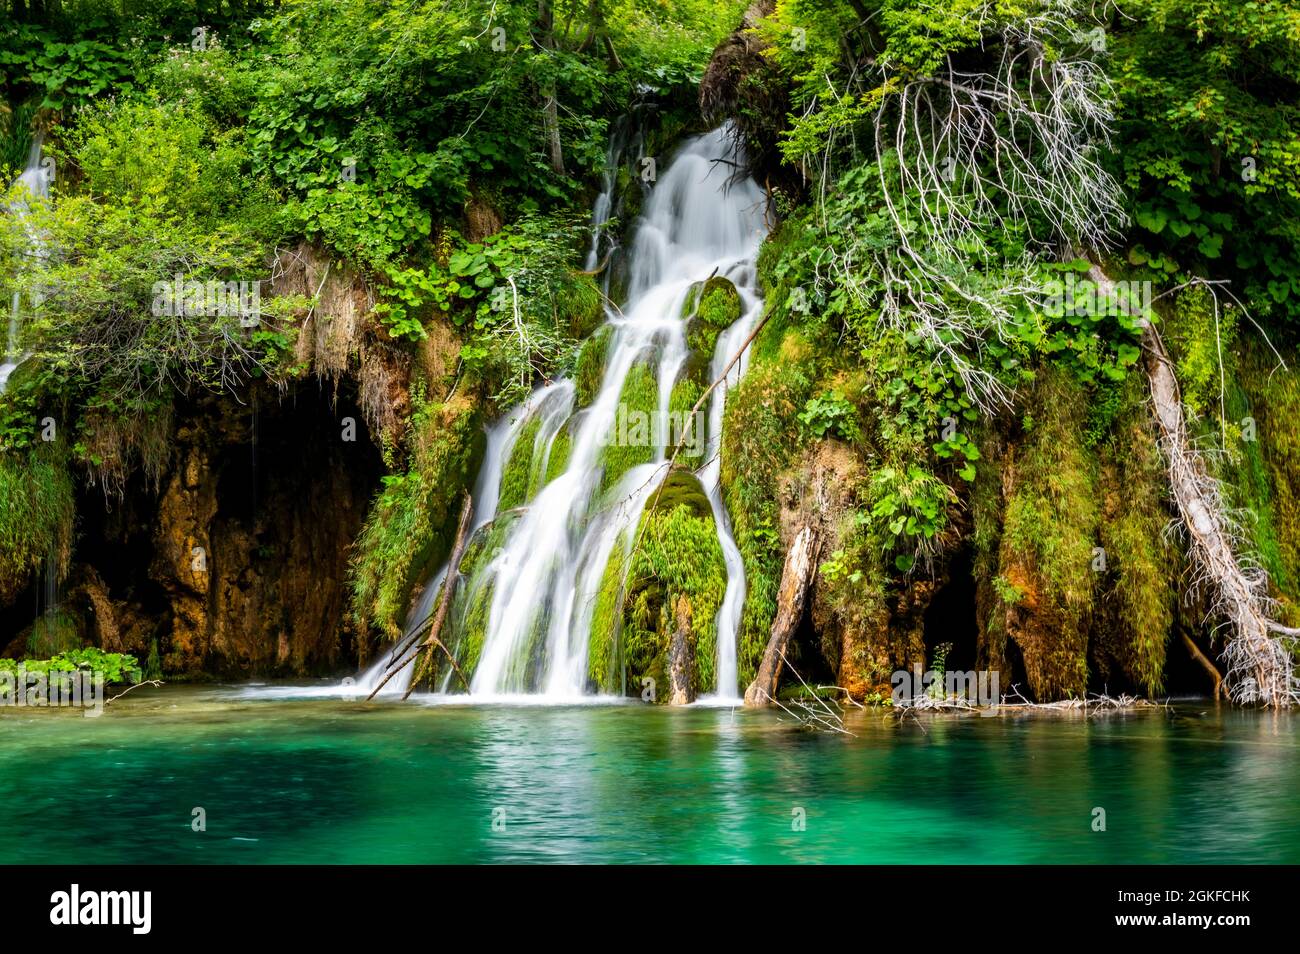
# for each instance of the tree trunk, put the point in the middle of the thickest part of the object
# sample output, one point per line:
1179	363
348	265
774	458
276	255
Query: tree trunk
1201	658
1258	664
796	581
550	107
679	656
448	594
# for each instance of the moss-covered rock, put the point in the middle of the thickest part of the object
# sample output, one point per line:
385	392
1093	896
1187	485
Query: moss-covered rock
1048	567
630	442
590	371
760	438
517	475
410	528
557	459
467	622
690	429
1142	565
711	307
672	592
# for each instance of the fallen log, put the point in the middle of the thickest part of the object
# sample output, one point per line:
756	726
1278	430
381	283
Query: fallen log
448	592
448	586
1209	667
796	581
1259	666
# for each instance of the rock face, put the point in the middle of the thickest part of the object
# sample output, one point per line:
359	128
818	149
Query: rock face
238	566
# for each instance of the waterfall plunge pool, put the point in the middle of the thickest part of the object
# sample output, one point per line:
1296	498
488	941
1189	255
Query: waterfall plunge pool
284	778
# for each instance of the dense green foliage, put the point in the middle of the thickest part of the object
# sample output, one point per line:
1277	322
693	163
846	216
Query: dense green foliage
115	667
937	380
442	150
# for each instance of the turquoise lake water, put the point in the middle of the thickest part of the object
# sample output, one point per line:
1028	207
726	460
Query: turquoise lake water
323	781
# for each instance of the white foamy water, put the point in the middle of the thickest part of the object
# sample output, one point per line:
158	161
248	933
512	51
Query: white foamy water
541	579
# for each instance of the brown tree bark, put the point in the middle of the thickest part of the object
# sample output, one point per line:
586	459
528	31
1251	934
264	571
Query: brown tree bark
550	106
679	656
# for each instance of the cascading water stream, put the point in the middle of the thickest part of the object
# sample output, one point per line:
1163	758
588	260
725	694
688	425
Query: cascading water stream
537	586
35	182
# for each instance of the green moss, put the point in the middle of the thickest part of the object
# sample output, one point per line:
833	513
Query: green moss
579	305
468	620
54	632
1138	612
630	442
516	476
630	194
561	447
678	559
36	514
1048	536
682	489
1196	344
410	527
986	541
153	664
603	671
590	371
1222	370
473	604
1263	474
760	439
711	307
692	431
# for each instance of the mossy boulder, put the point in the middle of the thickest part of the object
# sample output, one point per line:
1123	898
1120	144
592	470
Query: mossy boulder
467	622
666	618
589	373
518	475
690	429
557	458
631	441
711	307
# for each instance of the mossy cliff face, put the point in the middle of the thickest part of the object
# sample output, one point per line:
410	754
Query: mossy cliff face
1049	557
1046	579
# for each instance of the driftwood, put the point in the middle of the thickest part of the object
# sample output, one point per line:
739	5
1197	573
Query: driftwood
1259	666
1209	667
402	658
448	592
796	581
816	718
147	682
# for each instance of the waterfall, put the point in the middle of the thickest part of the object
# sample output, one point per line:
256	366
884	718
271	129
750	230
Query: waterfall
36	185
536	585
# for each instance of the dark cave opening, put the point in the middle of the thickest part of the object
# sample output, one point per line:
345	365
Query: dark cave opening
807	654
950	616
279	484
